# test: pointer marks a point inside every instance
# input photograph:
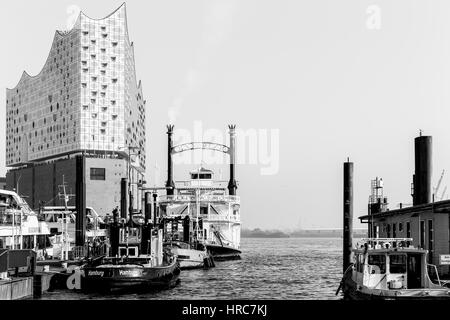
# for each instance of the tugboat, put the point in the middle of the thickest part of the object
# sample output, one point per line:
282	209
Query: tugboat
390	269
132	264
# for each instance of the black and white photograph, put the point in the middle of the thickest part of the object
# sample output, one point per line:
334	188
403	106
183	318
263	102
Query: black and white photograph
210	158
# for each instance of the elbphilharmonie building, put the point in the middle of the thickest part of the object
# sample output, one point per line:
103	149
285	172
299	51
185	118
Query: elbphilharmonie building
86	100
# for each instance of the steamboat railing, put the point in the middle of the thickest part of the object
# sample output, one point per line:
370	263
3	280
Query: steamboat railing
201	198
221	217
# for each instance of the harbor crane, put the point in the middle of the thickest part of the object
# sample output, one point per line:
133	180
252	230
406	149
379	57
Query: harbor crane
436	190
443	193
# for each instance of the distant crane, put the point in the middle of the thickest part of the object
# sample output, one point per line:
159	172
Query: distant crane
443	193
436	190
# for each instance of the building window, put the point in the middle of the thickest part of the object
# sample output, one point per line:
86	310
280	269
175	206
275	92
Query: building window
422	234
408	229
98	174
430	240
376	231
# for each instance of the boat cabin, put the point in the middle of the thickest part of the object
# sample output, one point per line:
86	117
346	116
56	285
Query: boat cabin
391	264
19	225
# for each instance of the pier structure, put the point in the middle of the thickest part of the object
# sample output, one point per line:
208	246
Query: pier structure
426	221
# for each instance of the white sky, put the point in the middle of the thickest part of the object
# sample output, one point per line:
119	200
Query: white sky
311	69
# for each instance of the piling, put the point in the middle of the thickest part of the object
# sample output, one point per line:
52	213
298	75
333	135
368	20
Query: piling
186	229
123	198
147	228
114	236
232	184
148	207
155	209
80	230
423	170
170	184
348	215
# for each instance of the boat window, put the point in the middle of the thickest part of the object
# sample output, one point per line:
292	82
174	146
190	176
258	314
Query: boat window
4	200
377	264
132	252
397	263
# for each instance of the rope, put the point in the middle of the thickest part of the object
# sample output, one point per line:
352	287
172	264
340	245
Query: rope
342	280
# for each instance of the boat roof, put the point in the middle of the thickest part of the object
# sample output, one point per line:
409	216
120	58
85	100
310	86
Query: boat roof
442	207
201	170
10	193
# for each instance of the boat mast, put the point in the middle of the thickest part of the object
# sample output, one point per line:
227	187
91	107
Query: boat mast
64	222
197	197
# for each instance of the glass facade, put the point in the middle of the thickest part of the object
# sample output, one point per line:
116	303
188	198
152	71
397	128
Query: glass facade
86	98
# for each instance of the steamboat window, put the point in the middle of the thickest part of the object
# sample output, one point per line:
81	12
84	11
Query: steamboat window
98	174
388	230
377	264
397	263
202	176
394	230
400	227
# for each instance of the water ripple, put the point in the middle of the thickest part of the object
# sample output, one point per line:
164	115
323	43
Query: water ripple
297	269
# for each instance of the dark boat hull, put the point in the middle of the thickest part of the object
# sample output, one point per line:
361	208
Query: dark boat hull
128	277
222	253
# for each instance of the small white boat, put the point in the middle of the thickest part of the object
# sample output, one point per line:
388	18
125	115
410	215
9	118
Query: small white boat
20	227
189	257
391	269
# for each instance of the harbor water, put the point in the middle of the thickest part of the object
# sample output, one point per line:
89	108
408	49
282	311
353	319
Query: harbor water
287	268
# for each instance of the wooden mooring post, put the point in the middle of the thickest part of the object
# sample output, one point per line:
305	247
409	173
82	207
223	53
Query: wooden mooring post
348	214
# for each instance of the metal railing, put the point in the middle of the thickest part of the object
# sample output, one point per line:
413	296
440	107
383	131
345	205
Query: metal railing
436	273
202	198
81	252
221	217
7	216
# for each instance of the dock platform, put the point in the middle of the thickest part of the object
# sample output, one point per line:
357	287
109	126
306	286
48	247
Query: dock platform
16	288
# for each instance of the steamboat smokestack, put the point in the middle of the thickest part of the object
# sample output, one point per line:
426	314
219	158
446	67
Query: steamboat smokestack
423	170
170	185
348	214
232	185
